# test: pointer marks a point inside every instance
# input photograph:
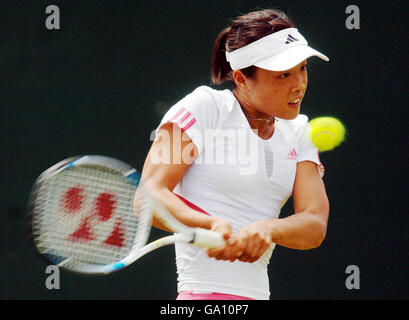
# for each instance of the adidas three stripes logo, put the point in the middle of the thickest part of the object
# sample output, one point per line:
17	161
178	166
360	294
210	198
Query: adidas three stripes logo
290	39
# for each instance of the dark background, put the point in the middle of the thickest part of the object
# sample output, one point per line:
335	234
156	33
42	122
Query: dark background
101	83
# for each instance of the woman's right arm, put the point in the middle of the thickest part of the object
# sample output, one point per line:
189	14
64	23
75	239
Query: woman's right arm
170	156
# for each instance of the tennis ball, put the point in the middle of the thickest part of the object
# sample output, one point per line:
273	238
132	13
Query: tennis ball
326	133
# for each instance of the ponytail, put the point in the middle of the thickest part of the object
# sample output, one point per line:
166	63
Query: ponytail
221	70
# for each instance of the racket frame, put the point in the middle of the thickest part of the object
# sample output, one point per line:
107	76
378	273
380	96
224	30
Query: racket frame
196	236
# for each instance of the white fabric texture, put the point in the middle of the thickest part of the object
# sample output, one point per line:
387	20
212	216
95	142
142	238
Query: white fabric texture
237	176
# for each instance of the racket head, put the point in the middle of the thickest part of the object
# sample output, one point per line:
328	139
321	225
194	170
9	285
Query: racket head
81	215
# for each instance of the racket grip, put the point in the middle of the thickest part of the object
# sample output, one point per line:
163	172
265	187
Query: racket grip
207	239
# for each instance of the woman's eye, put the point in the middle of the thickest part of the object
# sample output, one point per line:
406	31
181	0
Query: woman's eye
283	75
304	68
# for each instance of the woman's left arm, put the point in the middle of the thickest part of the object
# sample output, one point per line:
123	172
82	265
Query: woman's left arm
303	230
307	227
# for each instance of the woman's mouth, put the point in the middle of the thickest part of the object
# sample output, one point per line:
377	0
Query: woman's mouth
295	103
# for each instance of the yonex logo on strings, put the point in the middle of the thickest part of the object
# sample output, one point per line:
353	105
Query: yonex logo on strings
290	39
73	200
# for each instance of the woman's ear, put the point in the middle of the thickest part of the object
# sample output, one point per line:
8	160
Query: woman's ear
239	79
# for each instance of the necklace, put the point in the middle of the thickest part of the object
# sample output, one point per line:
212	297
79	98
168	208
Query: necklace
251	117
258	119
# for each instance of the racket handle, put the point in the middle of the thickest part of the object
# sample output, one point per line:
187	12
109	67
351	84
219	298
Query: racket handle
207	239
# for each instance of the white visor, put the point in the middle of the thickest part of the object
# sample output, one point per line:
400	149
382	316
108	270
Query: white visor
279	51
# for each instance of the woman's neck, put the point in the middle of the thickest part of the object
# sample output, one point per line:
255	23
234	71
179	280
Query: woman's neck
261	123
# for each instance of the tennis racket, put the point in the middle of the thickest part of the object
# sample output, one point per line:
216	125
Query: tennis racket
82	216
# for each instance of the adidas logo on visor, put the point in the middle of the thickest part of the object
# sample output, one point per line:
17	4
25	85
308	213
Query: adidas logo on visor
290	39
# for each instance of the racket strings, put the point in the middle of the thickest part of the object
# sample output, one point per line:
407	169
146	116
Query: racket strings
86	214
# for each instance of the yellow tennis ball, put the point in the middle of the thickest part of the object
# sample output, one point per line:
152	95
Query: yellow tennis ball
326	133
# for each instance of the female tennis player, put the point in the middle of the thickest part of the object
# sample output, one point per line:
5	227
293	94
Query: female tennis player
228	160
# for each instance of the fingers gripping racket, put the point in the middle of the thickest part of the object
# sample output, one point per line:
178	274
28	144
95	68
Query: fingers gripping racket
82	216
